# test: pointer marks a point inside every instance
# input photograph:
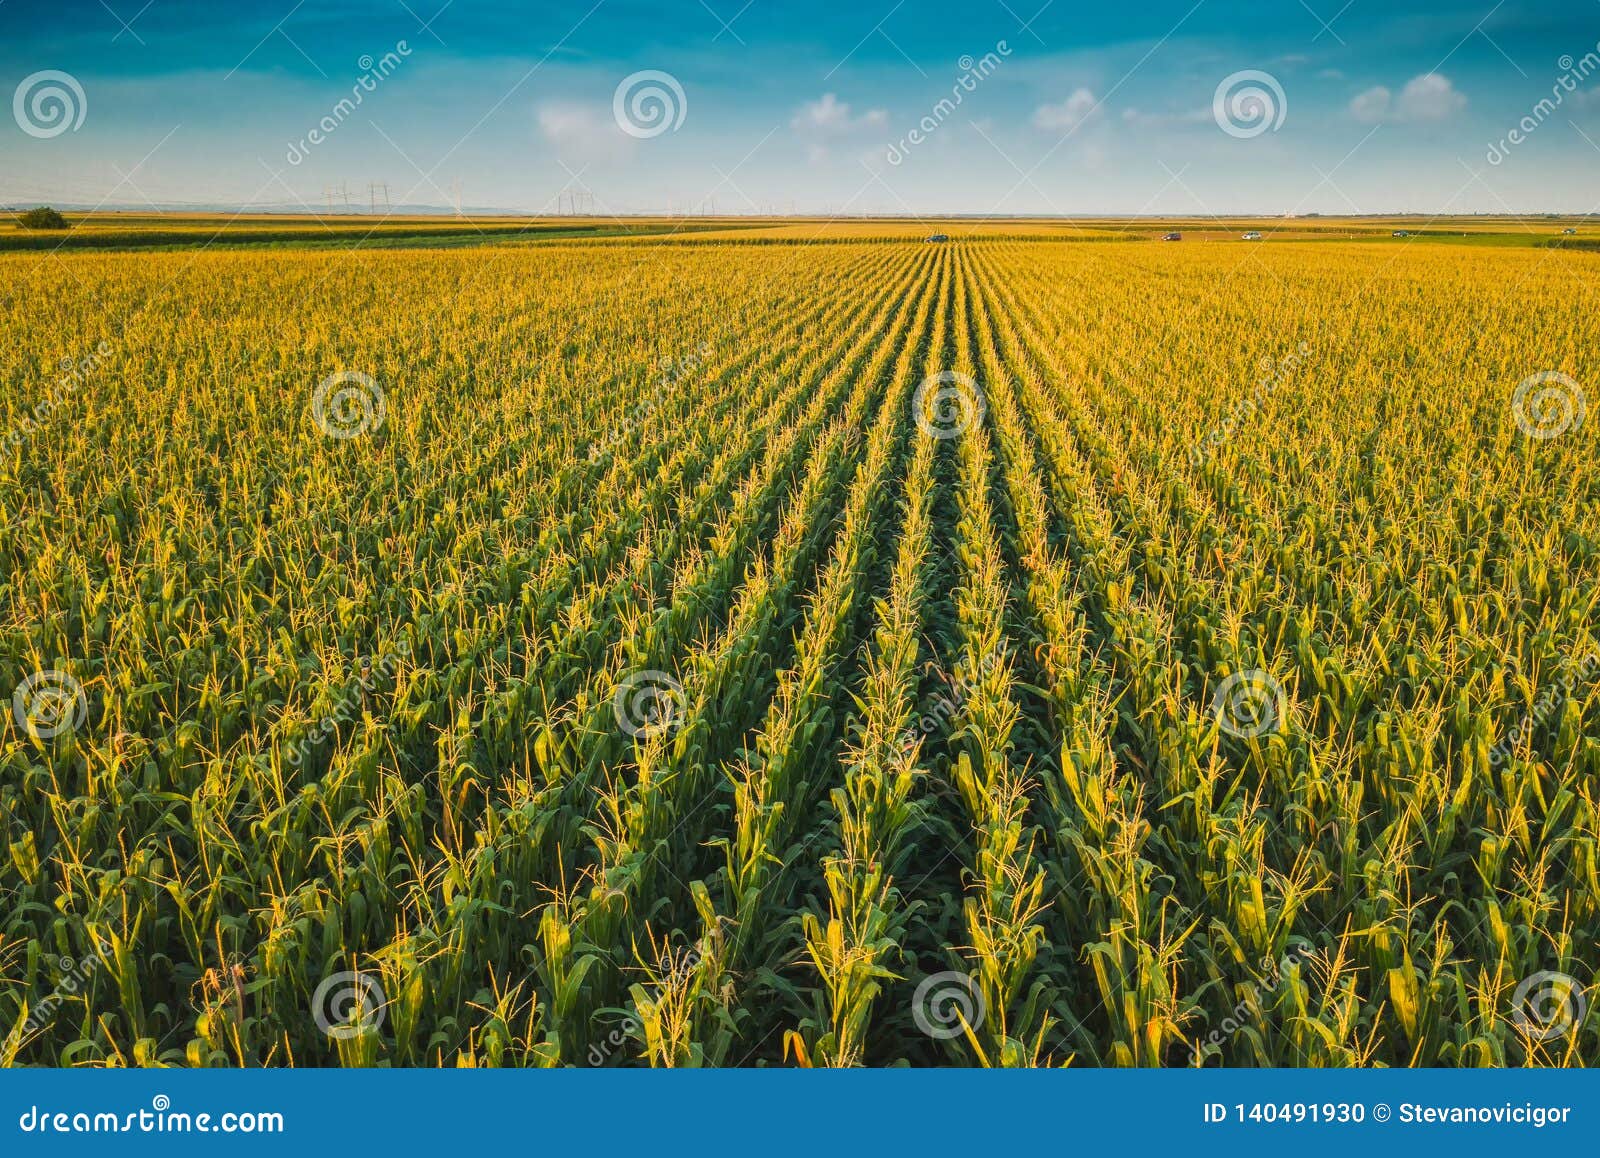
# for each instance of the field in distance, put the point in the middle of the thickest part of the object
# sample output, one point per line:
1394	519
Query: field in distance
124	230
1044	647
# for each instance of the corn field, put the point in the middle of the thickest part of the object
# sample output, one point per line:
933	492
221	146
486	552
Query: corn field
843	651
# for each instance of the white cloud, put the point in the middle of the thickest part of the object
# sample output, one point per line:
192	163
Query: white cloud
1430	97
1069	114
1372	106
587	132
823	120
830	116
1134	116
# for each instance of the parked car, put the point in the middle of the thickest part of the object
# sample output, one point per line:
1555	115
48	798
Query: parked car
1401	233
1253	235
1569	231
938	237
1172	237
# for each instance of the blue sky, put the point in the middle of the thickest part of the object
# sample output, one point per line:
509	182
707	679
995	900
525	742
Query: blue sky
1082	108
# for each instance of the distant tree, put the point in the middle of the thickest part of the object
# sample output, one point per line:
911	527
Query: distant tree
43	217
